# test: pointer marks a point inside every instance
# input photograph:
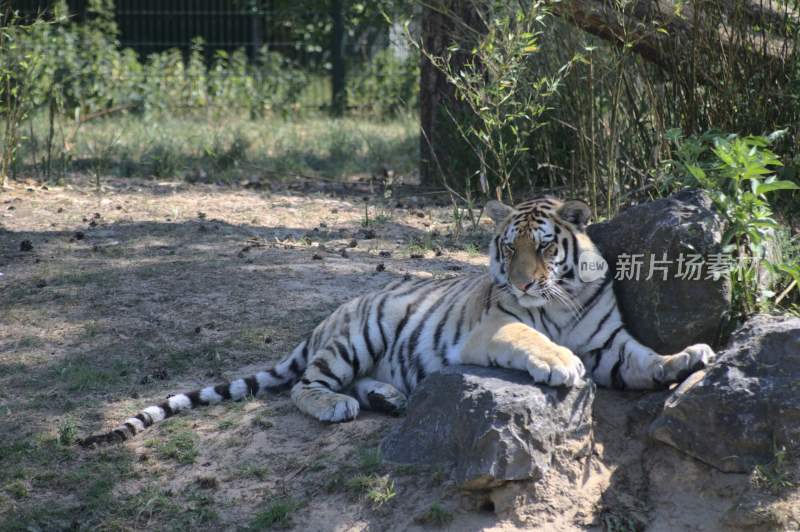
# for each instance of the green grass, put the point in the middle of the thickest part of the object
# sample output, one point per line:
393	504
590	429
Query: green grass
226	424
40	466
67	431
253	471
202	149
17	489
377	489
277	515
436	516
179	443
775	476
82	373
369	460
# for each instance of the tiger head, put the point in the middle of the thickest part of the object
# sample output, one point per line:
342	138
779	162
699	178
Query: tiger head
535	253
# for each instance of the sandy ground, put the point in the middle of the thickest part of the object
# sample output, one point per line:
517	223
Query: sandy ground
110	301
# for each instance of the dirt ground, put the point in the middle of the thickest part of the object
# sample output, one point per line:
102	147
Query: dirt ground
110	301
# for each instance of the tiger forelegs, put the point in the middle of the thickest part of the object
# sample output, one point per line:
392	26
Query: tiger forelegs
515	345
324	404
380	396
675	368
629	364
317	393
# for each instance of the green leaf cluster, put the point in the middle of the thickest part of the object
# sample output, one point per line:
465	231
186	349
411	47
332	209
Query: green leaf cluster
740	174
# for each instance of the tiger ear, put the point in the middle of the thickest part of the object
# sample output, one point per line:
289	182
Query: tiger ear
575	212
498	211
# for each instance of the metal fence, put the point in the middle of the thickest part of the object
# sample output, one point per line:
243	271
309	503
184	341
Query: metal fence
151	26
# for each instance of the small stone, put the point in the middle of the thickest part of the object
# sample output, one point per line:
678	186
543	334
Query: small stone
353	243
385	254
79	235
26	245
380	267
316	256
208	483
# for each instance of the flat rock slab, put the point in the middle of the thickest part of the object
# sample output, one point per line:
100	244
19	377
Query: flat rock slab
667	314
490	425
746	405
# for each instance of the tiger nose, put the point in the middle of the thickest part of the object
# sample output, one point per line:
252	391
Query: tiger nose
527	286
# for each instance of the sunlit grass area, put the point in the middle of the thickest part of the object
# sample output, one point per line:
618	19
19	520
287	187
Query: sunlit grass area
218	148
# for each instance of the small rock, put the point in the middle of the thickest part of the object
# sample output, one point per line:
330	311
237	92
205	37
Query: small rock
201	215
417	256
368	234
207	483
353	243
79	235
41	284
452	267
268	339
316	256
385	254
26	245
491	426
380	267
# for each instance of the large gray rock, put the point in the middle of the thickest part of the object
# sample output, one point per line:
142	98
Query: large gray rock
746	405
490	425
667	315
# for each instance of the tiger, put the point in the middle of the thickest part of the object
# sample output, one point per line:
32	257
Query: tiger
532	311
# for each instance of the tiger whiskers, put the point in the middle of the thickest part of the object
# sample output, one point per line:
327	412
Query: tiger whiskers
555	292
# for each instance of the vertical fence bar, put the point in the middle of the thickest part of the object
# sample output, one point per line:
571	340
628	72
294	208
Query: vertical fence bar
338	82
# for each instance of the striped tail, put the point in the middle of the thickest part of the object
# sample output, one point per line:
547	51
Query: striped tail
286	372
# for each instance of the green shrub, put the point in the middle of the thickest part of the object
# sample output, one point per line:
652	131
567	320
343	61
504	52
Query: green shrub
740	175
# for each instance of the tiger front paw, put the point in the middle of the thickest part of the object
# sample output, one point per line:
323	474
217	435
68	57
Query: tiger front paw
559	368
680	365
